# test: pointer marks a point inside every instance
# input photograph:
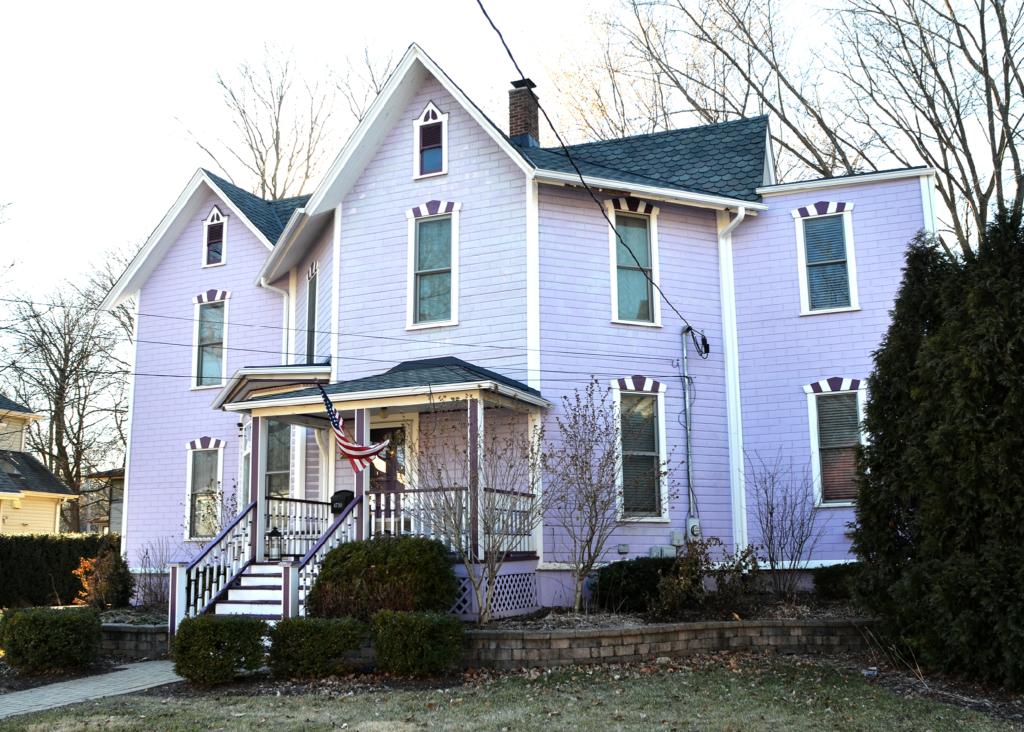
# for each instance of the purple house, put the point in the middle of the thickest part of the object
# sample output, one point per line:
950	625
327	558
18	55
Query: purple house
441	258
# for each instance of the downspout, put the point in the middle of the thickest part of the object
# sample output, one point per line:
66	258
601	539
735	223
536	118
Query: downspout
284	338
741	213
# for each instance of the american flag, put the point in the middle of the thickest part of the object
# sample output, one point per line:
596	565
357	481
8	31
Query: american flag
360	457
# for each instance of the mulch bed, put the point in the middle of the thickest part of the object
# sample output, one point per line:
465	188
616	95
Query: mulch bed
14	680
136	616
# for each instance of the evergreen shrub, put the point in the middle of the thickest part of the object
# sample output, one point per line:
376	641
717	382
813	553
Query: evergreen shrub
43	638
213	649
631	586
834	582
940	508
405	573
313	648
416	644
38	569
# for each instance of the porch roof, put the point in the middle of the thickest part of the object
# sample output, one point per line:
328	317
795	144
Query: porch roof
412	377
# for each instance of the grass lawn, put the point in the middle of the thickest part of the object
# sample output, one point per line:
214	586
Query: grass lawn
763	694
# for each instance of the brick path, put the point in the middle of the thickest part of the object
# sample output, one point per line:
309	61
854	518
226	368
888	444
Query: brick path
134	677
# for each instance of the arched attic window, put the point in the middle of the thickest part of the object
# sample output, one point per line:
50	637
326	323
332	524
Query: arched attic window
214	236
430	143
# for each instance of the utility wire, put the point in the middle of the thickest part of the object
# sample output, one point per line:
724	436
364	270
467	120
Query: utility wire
702	346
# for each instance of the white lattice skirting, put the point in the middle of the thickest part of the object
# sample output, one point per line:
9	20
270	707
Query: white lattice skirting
515	593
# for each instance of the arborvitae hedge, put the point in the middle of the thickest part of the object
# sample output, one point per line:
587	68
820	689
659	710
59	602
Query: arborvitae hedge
36	569
940	512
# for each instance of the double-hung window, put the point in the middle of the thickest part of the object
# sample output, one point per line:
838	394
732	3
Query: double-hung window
641	455
838	437
210	344
828	272
204	506
311	316
634	272
279	443
433	274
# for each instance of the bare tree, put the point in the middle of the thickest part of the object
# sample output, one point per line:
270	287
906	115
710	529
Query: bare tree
789	522
585	483
364	79
505	472
941	83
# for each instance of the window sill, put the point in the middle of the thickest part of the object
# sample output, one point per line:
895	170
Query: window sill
207	387
641	323
432	324
850	309
836	504
643	519
211	266
424	176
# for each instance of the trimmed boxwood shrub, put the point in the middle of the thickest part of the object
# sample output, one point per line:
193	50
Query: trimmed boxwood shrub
405	573
313	647
835	582
38	569
212	649
632	585
41	638
416	644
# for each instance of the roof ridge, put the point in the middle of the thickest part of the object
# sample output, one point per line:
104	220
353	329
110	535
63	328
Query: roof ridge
659	133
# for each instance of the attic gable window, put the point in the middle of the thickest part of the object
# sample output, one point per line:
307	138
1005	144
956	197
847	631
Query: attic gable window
214	230
430	143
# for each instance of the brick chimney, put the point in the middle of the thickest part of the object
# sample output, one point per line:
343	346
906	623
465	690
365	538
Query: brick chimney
523	122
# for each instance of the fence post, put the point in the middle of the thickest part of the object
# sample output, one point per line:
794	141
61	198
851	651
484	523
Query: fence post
289	590
177	606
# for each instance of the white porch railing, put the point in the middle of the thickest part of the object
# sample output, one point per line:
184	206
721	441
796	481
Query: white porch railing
220	564
301	523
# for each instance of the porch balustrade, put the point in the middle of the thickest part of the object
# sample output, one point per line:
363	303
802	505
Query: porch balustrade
345	528
301	523
220	563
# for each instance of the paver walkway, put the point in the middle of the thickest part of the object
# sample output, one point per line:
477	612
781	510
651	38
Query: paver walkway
134	677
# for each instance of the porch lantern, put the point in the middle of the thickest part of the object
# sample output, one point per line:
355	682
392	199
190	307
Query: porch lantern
274	545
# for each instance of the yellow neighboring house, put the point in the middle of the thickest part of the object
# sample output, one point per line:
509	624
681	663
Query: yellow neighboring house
30	495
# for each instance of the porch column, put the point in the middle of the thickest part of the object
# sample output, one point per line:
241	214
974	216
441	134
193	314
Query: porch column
476	428
362	478
178	596
258	487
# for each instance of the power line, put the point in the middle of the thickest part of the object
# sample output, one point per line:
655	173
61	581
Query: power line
702	347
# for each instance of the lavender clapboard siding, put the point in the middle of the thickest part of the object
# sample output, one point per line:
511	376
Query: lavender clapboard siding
321	255
781	352
579	341
167	413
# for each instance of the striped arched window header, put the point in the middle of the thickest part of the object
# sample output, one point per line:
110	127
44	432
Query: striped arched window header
822	208
211	296
836	383
205	443
639	383
633	205
432	208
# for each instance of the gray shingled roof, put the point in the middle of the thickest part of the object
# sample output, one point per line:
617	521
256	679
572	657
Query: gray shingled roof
6	405
32	475
725	159
411	374
270	217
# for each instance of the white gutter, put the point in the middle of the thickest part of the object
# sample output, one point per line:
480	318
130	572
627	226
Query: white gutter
284	335
845	180
296	223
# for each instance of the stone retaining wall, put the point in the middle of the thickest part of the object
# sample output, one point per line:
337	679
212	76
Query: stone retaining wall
134	641
501	649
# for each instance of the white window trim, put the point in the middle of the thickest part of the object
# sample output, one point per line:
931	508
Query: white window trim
620	514
652	233
244	449
812	413
851	261
420	122
195	349
224	238
188	491
410	293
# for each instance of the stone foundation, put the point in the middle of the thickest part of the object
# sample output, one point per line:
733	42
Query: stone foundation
134	641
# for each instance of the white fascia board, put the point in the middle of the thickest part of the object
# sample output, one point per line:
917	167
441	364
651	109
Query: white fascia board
166	233
275	266
308	370
358	396
850	180
700	200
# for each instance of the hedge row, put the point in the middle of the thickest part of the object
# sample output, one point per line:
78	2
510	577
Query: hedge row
42	638
37	569
213	649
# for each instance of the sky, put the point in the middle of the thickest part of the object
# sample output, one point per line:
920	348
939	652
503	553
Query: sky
98	98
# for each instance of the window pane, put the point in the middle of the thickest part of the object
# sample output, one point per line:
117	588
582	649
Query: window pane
214	243
825	239
634	295
210	360
639	426
434	297
430	160
640	494
838	436
211	323
278	485
311	320
203	509
633	231
828	286
214	252
279	442
434	245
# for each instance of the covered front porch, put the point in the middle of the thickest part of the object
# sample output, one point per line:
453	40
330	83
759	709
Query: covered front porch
300	497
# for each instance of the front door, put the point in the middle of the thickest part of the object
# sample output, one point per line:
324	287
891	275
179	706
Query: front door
388	483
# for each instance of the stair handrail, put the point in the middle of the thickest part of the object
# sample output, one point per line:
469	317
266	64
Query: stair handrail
330	532
208	575
345	528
